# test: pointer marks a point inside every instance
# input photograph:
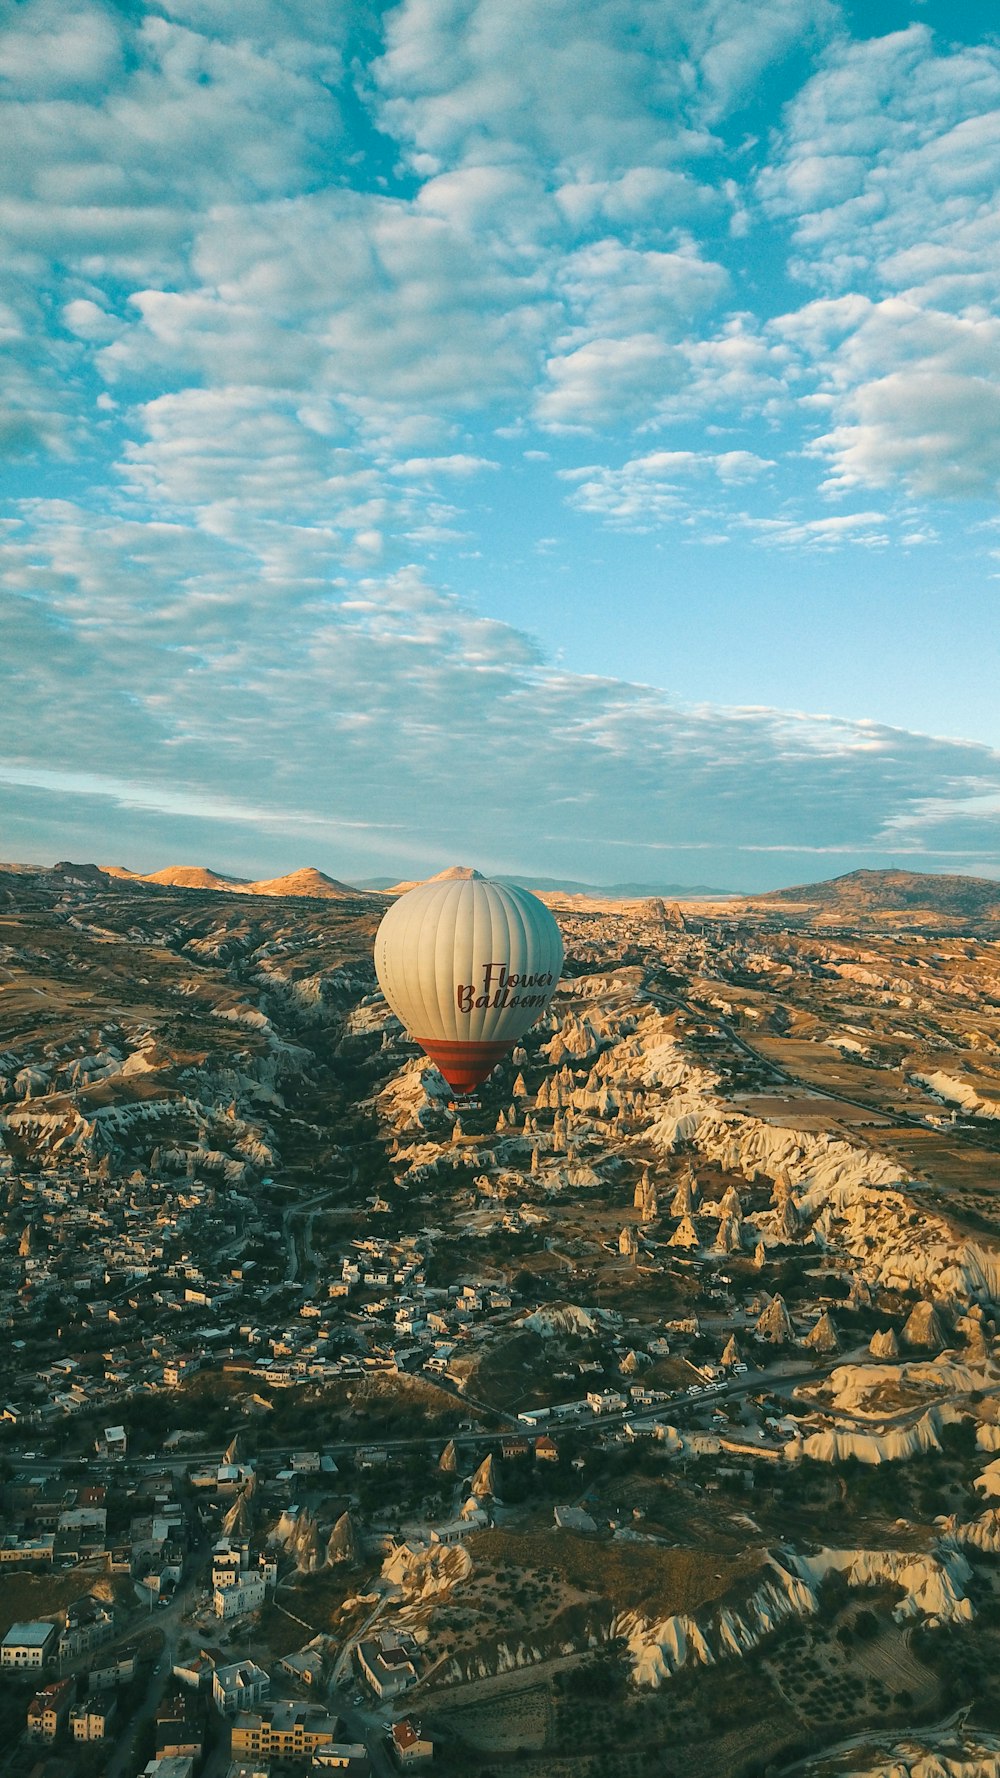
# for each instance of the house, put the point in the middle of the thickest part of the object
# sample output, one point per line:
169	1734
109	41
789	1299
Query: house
226	1568
28	1645
94	1719
239	1687
179	1728
347	1757
283	1729
546	1449
573	1518
409	1743
88	1623
243	1596
176	1369
169	1765
513	1448
386	1664
117	1672
606	1401
306	1665
474	1520
114	1443
49	1710
195	1672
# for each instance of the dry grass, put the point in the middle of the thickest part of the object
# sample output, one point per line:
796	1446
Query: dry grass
26	1596
626	1574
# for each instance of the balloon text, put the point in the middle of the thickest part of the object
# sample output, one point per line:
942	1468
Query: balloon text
501	990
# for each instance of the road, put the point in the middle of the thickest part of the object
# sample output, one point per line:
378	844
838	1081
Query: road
772	1380
870	1738
301	1209
699	1014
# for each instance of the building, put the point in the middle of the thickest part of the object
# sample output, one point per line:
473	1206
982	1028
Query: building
49	1710
88	1624
305	1665
283	1730
409	1744
513	1448
169	1765
28	1646
474	1520
606	1401
239	1687
386	1665
242	1596
179	1729
93	1720
349	1758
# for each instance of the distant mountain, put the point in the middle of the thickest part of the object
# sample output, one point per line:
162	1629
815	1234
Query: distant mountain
897	891
560	886
193	876
309	882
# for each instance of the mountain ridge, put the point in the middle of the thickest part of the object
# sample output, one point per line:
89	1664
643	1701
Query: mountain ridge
894	891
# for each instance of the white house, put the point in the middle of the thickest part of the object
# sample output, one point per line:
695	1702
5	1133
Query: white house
245	1595
28	1645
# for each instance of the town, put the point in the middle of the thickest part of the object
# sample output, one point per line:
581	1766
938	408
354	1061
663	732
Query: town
350	1427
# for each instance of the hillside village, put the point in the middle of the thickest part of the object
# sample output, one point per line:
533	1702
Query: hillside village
347	1427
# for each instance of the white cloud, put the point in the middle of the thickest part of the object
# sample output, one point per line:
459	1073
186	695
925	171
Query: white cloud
656	488
887	171
458	464
394	705
606	381
588	90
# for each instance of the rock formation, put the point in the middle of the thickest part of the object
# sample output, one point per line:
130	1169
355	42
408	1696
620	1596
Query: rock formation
448	1461
775	1324
923	1328
730	1236
484	1482
342	1544
823	1337
685	1234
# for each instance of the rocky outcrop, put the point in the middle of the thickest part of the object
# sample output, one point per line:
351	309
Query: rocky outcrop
931	1585
839	1442
931	1582
342	1546
775	1324
823	1336
923	1328
485	1481
685	1234
884	1344
448	1460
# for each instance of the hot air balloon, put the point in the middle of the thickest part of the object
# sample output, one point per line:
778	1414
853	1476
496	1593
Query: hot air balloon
467	965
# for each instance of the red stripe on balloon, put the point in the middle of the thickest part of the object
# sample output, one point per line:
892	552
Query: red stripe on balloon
463	1065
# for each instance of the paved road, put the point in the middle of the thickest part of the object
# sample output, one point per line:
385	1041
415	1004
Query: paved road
871	1738
894	1113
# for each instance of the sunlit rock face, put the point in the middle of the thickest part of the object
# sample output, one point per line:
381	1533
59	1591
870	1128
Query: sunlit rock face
931	1587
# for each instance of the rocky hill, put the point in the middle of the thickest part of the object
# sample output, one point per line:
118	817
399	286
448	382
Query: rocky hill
871	892
308	882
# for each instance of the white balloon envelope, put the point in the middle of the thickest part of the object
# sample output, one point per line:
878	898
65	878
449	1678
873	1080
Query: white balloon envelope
468	965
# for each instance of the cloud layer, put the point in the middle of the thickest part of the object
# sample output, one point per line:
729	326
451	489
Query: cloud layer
313	316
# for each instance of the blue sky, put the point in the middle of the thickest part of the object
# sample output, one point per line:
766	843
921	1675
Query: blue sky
564	439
